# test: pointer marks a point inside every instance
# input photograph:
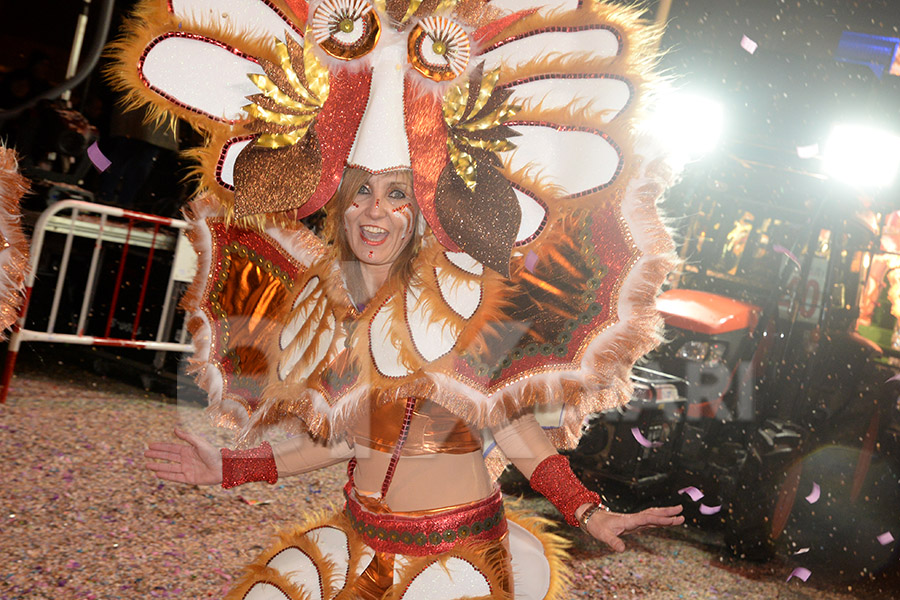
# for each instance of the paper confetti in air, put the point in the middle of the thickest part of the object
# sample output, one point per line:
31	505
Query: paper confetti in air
782	250
642	440
814	494
885	538
808	151
691	491
800	572
709	510
749	45
894	378
531	261
801	551
101	162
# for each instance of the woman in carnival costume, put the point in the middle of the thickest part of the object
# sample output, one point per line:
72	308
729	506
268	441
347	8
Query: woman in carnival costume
484	281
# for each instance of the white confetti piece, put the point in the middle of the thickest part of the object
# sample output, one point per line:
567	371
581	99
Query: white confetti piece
642	440
801	551
749	45
691	491
885	538
709	510
814	494
801	573
530	261
810	151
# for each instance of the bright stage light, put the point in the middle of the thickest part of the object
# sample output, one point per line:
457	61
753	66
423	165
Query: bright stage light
862	156
688	125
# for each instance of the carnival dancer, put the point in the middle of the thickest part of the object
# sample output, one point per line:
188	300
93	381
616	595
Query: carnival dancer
485	280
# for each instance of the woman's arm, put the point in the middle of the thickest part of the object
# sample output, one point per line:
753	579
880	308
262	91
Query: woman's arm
525	445
200	463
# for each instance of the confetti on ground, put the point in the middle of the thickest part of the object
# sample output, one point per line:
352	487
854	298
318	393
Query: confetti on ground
885	538
691	491
748	44
642	440
814	494
71	445
100	161
800	573
709	510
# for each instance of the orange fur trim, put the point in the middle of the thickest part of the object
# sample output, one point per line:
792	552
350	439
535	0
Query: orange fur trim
14	266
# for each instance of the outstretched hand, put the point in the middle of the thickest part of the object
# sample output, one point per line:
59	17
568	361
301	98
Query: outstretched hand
608	526
197	463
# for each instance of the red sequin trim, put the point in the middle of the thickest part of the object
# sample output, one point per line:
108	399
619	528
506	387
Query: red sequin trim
543	224
299	8
221	162
555	480
576	76
427	534
245	466
592	130
527	34
190	36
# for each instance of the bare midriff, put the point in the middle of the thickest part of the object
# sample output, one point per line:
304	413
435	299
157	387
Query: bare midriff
424	481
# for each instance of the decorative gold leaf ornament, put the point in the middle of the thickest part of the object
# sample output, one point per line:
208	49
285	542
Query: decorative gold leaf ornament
475	114
301	101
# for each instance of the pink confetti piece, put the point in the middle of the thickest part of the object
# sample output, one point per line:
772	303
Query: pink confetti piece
810	151
800	572
642	440
885	538
101	162
691	491
782	250
801	551
748	44
531	261
814	494
709	510
894	378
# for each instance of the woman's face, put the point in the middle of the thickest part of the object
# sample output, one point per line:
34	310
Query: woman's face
381	218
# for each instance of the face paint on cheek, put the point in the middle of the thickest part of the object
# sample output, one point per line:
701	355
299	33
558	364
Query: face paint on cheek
405	212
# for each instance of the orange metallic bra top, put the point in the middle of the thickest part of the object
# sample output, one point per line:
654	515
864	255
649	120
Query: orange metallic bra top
432	430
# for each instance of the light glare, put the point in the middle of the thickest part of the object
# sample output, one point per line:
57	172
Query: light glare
687	124
862	156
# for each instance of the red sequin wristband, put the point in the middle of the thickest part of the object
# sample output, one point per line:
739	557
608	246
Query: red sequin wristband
555	480
245	466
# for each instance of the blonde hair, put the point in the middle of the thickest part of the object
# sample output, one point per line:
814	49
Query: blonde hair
402	269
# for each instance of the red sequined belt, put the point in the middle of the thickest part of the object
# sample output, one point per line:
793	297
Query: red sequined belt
430	533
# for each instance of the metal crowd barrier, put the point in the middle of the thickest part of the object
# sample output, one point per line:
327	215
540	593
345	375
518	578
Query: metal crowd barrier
105	225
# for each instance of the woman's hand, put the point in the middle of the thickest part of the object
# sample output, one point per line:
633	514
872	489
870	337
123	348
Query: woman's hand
199	463
608	526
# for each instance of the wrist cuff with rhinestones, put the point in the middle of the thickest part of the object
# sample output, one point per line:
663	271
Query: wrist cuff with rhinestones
555	480
244	466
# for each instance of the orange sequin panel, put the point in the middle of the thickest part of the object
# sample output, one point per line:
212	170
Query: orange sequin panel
432	429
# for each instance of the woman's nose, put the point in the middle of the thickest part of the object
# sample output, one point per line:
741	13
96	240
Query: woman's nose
376	207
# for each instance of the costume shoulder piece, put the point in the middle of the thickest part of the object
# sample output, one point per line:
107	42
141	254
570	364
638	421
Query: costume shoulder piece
520	121
13	245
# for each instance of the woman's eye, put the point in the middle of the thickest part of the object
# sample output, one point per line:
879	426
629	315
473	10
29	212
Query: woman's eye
364	189
439	48
397	195
346	29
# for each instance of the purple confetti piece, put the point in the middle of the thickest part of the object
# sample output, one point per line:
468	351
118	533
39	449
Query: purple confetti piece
748	44
814	494
885	538
810	151
531	261
800	572
801	551
894	378
101	162
709	510
691	491
782	250
642	440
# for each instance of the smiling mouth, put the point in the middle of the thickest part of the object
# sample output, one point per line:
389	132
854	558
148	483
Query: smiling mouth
372	235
